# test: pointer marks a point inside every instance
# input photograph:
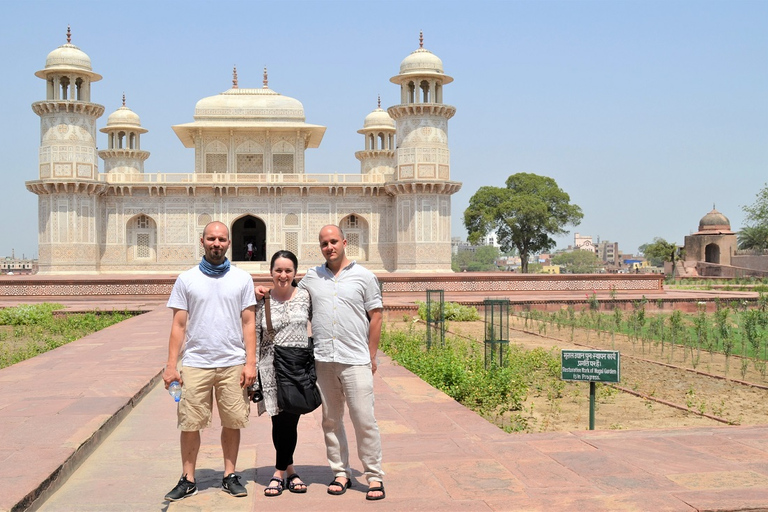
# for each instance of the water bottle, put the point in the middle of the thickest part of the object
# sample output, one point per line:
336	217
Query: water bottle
175	390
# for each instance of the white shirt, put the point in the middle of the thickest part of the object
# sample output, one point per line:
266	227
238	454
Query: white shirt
339	306
214	334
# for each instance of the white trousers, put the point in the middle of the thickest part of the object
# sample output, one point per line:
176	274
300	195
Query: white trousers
353	385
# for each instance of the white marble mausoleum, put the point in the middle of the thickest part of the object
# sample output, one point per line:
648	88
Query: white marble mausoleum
249	173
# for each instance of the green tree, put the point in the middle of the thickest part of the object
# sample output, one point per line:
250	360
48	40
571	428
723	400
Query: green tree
578	261
753	238
659	251
524	214
755	235
482	259
757	212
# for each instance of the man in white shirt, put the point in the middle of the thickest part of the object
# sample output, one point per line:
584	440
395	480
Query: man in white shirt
214	321
346	327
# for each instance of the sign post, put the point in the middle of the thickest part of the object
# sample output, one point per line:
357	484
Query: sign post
591	366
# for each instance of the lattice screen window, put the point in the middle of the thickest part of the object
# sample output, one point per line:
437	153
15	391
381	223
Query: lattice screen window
250	163
351	222
291	220
291	242
215	163
142	222
203	219
282	163
142	245
353	245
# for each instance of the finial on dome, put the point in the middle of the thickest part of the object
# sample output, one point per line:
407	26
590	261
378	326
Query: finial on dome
421	39
379	101
69	35
123	99
234	77
266	79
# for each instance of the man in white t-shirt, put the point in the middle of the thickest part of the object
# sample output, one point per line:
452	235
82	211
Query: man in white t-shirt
214	322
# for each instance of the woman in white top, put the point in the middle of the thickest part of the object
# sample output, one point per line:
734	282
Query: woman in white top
290	312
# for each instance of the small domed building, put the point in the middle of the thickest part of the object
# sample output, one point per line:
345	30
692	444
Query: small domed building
713	243
249	173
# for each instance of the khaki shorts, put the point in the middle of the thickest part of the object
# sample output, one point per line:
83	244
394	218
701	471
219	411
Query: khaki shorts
198	387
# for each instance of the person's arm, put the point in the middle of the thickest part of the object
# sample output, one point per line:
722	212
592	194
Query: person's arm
178	331
374	334
248	317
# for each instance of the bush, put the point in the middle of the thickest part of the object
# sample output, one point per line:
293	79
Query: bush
452	311
458	369
28	314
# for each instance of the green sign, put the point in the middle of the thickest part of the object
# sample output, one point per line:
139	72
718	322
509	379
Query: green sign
591	365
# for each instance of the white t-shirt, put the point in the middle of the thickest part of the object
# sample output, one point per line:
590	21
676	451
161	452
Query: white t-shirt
214	334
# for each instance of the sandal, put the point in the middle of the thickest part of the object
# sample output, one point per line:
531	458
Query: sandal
374	489
344	487
271	491
297	487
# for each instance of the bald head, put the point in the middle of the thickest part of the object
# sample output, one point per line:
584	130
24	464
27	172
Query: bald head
217	226
333	246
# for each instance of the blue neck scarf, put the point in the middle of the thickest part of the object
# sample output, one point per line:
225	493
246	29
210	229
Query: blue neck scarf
209	269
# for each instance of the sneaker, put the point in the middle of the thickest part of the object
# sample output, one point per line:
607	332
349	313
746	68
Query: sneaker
232	485
183	489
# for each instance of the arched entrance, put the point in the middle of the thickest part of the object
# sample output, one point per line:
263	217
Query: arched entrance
356	232
712	253
249	230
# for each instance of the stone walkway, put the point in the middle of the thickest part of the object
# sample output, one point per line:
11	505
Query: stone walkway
86	427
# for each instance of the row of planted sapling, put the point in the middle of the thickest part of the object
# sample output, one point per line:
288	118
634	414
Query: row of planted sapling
737	330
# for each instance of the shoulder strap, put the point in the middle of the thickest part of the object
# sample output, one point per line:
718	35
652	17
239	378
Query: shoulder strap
268	316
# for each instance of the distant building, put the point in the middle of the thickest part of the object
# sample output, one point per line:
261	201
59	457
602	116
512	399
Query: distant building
608	252
583	242
19	266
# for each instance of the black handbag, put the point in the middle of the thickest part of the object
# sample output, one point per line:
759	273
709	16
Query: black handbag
295	375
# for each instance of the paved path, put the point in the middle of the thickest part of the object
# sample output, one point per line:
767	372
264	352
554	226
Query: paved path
55	408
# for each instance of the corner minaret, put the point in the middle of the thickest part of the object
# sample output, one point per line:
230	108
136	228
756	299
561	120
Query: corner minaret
422	185
67	116
379	154
123	153
68	170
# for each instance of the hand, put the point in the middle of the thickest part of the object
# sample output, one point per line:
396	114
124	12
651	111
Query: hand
374	365
248	376
261	291
170	374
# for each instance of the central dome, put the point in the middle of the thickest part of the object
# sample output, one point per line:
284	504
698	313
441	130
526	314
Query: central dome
250	104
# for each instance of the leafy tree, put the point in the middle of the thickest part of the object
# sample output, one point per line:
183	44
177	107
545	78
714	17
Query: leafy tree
524	214
753	238
757	212
659	251
578	261
755	235
483	259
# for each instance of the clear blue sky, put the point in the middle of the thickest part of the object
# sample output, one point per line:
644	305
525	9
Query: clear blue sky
646	113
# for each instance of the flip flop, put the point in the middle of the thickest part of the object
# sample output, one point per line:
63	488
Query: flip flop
269	492
374	489
293	486
344	487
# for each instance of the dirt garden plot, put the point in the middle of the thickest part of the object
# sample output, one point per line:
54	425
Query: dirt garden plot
657	389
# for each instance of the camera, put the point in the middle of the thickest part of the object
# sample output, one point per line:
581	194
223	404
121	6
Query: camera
255	392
